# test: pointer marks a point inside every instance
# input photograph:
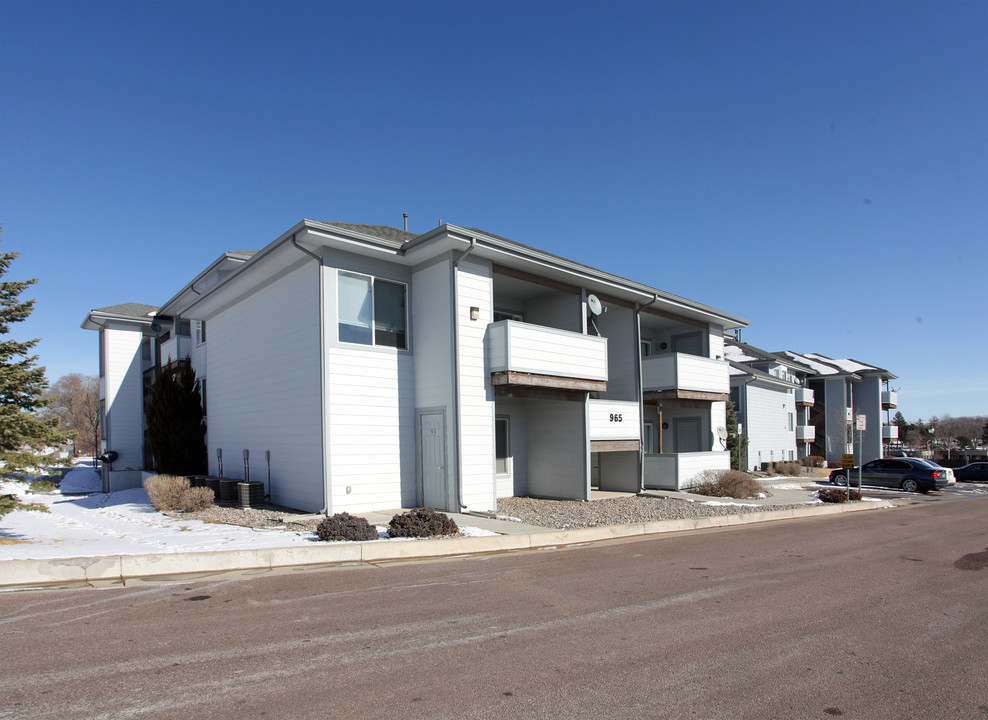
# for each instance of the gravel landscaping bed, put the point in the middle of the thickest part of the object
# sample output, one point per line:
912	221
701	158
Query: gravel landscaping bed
563	514
558	514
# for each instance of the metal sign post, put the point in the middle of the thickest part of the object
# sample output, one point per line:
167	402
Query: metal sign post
862	421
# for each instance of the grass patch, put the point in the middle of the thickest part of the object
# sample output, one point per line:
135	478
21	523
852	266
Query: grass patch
11	541
9	503
728	483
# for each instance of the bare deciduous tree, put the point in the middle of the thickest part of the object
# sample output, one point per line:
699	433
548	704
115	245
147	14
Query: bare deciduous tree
74	400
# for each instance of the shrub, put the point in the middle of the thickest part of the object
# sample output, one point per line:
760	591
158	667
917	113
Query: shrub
45	484
837	495
422	522
172	492
789	468
728	483
344	526
9	503
812	461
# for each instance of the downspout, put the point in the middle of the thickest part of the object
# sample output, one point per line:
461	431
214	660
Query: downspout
322	377
458	485
641	394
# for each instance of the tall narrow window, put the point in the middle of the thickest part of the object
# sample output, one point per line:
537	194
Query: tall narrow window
389	314
200	332
356	309
501	443
648	436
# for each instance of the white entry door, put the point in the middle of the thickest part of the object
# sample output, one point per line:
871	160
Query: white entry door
432	454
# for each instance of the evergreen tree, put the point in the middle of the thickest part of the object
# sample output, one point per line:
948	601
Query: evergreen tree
23	433
176	431
736	443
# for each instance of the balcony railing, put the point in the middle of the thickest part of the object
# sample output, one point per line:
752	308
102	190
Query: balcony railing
521	349
177	347
804	396
805	433
683	372
676	471
890	399
890	432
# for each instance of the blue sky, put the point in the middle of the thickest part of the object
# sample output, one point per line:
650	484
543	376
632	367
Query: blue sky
819	168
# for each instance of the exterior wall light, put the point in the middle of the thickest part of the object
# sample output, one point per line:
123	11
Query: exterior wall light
475	313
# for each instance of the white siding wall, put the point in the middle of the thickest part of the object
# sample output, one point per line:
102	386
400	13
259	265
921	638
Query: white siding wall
836	425
614	420
716	341
558	455
124	395
432	322
618	325
767	412
474	287
371	428
868	401
264	388
370	404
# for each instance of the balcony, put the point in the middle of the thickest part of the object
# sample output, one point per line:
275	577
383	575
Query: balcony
614	426
177	347
890	399
805	433
804	397
522	354
890	433
677	471
685	377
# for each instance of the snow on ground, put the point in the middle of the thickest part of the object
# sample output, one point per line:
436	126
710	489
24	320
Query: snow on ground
122	523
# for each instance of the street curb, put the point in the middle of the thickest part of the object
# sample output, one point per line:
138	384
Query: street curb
116	570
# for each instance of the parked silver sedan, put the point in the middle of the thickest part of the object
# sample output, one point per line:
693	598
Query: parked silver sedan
908	474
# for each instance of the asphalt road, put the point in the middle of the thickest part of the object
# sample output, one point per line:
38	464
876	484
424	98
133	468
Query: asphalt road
869	615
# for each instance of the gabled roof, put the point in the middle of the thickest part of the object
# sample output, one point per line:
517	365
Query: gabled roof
736	369
744	353
381	232
837	368
132	312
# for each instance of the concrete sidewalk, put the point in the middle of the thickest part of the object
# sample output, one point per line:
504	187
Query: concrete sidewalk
122	570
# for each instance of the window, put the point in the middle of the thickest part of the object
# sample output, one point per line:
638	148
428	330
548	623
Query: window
502	438
648	435
183	328
372	311
200	332
790	422
646	348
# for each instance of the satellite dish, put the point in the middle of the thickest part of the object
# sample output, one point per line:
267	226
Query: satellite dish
722	433
155	326
593	302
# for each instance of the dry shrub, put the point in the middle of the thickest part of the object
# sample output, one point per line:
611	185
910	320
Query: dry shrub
812	461
422	522
789	468
172	492
728	483
344	526
837	495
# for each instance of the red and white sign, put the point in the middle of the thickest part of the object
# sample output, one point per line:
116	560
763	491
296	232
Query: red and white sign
861	423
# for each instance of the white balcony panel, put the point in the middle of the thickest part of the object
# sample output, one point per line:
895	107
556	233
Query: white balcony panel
890	432
614	420
890	399
514	346
676	471
175	348
681	371
805	433
804	396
